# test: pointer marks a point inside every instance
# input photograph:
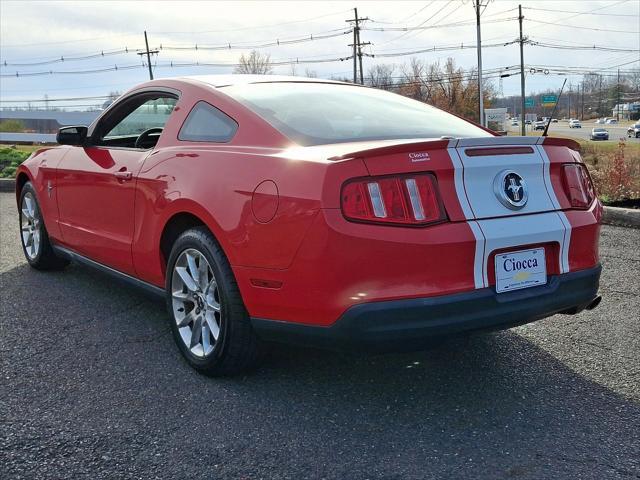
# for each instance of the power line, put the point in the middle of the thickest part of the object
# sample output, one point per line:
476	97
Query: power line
583	27
441	49
462	23
68	99
310	60
416	13
421	24
79	40
272	43
191	32
166	65
437	22
227	46
579	13
583	47
63	58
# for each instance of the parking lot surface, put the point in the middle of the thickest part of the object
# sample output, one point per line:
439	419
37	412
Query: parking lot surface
92	386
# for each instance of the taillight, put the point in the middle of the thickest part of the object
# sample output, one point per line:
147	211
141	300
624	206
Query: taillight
577	185
402	200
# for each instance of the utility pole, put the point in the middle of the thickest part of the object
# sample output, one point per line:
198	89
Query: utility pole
582	102
357	47
618	99
478	4
523	108
599	94
148	54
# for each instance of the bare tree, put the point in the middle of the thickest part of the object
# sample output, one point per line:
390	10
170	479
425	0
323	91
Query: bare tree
412	82
255	62
381	76
310	73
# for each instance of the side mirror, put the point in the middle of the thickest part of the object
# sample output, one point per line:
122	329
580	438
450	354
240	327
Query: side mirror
72	136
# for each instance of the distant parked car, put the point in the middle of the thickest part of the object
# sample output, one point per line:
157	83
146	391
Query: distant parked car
634	130
612	121
575	124
539	125
554	120
599	134
527	122
514	123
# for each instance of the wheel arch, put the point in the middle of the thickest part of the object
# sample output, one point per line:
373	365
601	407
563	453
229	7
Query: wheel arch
183	215
177	224
21	179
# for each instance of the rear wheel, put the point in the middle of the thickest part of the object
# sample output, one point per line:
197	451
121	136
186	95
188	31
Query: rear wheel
33	233
208	319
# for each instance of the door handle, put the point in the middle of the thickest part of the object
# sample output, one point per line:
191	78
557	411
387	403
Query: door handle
126	175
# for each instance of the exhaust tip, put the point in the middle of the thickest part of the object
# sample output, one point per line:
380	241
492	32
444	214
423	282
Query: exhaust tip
594	303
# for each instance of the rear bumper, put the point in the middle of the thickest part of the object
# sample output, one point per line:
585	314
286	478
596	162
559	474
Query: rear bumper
411	324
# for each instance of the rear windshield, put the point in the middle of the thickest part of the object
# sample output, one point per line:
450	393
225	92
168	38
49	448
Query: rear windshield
317	113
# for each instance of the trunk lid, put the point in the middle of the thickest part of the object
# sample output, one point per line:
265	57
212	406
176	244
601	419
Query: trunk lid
478	178
506	177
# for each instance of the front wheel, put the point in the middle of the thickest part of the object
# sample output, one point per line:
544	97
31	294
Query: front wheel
208	318
33	233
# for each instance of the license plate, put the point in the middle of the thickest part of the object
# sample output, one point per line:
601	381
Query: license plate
523	269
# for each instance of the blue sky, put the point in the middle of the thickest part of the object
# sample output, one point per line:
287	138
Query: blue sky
31	32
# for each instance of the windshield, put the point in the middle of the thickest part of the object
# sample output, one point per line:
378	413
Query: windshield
318	113
599	130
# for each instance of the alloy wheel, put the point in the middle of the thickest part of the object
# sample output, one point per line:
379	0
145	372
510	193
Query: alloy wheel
30	226
196	302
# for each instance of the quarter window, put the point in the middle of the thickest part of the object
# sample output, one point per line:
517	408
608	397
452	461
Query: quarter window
205	123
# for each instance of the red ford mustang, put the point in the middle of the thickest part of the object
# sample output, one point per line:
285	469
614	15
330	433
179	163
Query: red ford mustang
272	208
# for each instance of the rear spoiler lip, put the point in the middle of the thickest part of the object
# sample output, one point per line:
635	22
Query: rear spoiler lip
438	144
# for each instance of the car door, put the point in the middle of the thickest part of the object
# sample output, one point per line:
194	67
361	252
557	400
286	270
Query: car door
96	182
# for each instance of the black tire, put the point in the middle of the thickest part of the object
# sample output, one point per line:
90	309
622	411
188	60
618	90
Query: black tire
236	348
43	258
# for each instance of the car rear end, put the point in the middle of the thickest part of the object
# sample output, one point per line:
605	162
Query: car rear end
429	225
441	237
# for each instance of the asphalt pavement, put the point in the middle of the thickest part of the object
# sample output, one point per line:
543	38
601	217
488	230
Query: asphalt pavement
92	386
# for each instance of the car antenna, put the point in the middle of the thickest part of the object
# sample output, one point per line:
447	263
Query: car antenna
546	128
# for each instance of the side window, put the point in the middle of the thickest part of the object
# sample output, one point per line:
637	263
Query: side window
205	123
153	113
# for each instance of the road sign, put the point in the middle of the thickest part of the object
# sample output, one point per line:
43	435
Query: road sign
548	100
528	102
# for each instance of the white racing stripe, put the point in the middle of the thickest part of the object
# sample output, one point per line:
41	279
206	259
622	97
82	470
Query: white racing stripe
564	246
479	276
479	272
493	225
520	230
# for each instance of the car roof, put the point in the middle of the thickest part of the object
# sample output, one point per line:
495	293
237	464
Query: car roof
243	79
